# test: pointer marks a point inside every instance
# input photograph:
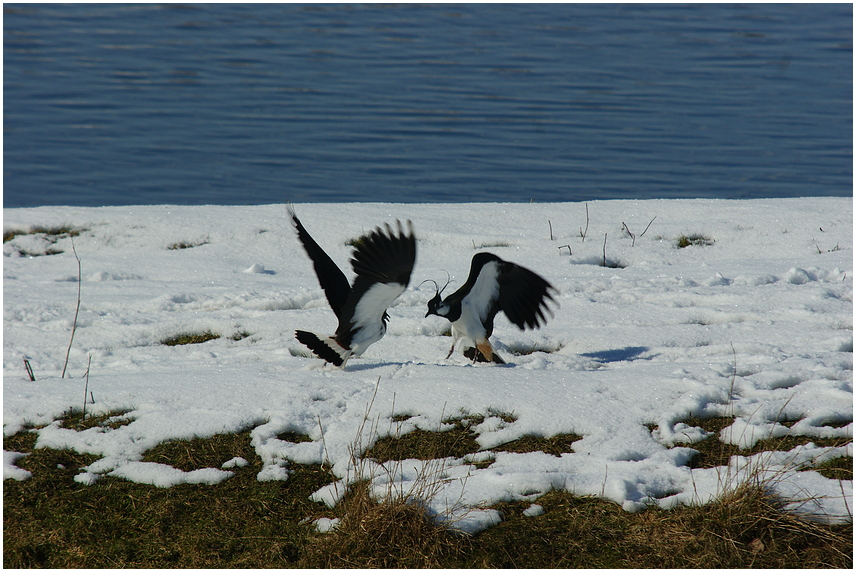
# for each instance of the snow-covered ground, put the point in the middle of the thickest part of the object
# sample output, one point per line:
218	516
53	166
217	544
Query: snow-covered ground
645	344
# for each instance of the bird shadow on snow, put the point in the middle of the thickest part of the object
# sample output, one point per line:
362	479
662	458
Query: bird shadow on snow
622	354
354	367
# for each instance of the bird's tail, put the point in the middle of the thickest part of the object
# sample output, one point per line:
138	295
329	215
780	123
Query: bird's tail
326	348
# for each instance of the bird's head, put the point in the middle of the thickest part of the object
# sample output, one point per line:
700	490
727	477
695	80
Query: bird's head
436	305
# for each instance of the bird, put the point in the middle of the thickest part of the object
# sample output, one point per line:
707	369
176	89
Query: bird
383	262
493	285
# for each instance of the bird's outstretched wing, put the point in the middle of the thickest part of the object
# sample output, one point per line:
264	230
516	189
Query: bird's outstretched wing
332	279
383	262
386	257
523	296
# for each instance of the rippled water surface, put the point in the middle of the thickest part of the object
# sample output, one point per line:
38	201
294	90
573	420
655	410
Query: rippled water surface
108	104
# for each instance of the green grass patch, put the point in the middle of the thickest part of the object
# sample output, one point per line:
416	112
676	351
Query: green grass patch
840	468
358	241
460	441
183	244
192	454
50	234
712	452
418	444
389	534
694	240
294	437
746	529
74	419
185	339
555	445
22	441
54	232
50	521
493	244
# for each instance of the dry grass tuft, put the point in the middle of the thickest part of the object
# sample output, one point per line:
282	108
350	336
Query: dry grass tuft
744	528
394	532
694	240
747	527
186	339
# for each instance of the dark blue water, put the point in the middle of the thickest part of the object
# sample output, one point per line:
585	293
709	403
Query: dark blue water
110	104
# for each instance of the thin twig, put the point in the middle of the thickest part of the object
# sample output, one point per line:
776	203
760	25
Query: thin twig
627	228
551	229
844	496
605	476
568	246
29	369
646	228
584	232
86	386
76	311
604	249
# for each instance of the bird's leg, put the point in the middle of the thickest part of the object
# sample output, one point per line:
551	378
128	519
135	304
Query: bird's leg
485	348
455	337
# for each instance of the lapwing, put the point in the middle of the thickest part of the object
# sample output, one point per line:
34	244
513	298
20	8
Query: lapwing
493	285
383	262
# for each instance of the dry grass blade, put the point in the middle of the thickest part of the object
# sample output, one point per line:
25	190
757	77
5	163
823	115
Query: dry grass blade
390	533
76	310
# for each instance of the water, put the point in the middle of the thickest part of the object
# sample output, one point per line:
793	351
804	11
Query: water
115	104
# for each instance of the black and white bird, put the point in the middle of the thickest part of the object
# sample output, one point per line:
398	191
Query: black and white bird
493	285
383	262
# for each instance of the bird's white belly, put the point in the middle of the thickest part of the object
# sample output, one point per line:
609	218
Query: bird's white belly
368	315
468	326
476	304
366	336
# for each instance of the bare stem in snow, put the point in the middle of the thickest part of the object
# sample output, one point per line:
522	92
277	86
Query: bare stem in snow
86	387
29	369
604	249
627	228
76	311
584	232
647	227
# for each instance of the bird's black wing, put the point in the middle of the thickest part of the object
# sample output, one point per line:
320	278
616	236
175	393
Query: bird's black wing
383	262
523	296
386	257
332	279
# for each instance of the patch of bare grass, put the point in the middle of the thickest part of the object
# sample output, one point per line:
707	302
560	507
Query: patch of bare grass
418	444
51	521
555	445
192	454
186	339
694	240
713	452
184	244
48	237
745	528
396	532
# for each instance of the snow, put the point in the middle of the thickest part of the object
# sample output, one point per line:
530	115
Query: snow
756	324
534	510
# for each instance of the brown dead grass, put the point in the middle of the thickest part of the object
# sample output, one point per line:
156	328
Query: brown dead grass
50	521
392	533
